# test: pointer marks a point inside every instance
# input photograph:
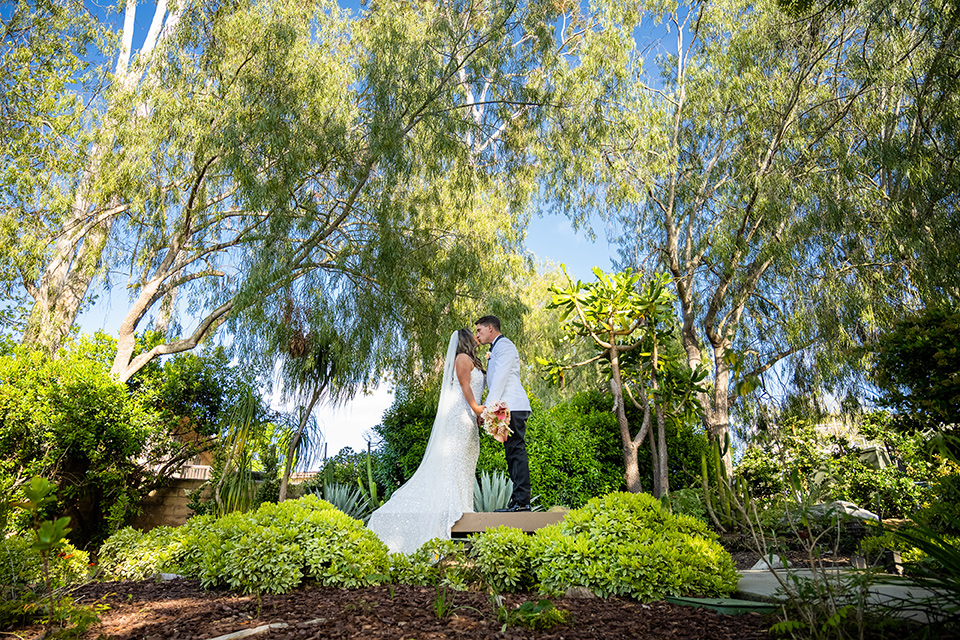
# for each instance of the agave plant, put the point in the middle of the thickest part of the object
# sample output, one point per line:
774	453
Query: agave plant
346	498
491	491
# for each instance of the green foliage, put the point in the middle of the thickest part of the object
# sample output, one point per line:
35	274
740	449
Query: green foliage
348	499
404	432
573	449
344	468
130	554
436	562
59	615
271	550
918	367
47	67
834	461
630	325
21	566
106	445
505	558
625	544
688	502
68	420
536	616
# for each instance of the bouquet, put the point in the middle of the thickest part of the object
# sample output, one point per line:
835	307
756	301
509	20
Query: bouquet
496	420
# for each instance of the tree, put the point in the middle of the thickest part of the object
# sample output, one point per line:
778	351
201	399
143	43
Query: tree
45	47
72	240
274	151
755	168
629	325
918	368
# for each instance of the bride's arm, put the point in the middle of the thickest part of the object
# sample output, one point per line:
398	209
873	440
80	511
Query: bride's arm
464	366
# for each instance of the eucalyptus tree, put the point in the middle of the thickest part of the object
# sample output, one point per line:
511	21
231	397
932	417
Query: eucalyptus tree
45	47
72	240
742	167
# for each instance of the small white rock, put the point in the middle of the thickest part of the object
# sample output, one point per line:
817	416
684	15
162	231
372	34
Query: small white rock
770	562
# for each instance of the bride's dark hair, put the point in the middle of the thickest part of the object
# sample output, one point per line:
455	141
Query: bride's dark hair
467	343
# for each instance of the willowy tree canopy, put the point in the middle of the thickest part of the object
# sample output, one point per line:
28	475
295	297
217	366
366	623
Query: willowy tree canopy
755	160
45	67
255	155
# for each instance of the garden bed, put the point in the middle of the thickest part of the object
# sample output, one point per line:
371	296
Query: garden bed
180	609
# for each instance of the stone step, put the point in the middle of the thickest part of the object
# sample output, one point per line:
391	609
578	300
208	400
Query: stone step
527	521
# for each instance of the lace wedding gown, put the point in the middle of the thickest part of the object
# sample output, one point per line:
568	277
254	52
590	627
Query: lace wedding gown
441	490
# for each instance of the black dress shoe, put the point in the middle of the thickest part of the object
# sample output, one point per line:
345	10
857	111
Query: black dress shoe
514	508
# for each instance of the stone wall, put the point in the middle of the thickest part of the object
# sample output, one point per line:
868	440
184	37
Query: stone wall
168	506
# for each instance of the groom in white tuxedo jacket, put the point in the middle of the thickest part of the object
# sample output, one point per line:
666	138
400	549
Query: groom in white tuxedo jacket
503	383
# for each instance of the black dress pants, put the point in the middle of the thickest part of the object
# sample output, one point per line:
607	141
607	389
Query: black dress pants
516	450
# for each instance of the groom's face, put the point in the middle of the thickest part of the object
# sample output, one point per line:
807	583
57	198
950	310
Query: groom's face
485	333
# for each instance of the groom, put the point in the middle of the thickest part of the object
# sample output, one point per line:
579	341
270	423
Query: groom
503	383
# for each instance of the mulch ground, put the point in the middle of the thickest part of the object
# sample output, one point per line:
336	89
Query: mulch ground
180	609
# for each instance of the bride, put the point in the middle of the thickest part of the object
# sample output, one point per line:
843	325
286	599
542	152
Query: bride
441	490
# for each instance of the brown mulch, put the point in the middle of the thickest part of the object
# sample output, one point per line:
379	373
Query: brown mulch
180	609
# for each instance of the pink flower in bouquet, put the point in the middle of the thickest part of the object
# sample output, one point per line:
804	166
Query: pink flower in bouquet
496	420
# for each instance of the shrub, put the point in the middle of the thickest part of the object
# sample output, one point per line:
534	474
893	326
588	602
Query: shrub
102	442
575	451
273	549
797	447
505	559
689	502
130	554
22	567
624	544
437	561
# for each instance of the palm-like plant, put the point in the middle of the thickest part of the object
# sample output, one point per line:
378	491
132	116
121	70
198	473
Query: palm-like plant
346	498
235	489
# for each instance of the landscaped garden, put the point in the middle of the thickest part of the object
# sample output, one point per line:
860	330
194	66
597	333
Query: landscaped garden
218	218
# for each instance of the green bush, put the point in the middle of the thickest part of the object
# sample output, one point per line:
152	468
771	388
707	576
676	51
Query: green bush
22	567
505	559
796	446
624	544
273	549
100	441
689	502
575	451
130	554
438	561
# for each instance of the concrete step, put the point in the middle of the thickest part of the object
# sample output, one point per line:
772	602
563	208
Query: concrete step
527	521
905	599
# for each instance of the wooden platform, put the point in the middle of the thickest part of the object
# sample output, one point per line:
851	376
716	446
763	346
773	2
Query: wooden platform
528	521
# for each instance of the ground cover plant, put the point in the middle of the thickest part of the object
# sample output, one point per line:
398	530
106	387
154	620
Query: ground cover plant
271	550
620	544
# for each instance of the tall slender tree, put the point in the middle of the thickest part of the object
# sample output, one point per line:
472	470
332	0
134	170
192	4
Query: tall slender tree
743	167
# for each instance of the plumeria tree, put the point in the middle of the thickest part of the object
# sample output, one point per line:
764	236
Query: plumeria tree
630	325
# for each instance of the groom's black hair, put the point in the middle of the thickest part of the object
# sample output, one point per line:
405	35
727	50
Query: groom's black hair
492	321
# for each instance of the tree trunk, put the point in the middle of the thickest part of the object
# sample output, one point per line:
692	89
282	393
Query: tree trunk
631	467
67	277
718	418
295	442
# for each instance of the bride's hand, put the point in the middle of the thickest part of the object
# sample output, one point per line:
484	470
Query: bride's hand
501	437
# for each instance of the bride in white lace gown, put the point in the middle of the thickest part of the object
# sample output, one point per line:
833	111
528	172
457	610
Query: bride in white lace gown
441	489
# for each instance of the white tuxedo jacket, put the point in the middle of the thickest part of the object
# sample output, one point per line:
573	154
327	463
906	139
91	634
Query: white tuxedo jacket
503	376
